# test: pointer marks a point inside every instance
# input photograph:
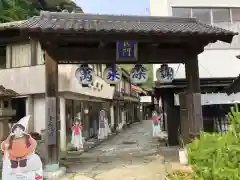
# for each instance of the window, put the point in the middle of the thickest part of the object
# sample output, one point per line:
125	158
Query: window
235	14
93	67
122	84
5	104
221	15
98	70
101	70
181	12
127	87
215	15
77	109
202	14
3	58
69	116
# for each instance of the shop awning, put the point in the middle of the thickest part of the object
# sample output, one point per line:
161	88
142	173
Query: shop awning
138	89
214	98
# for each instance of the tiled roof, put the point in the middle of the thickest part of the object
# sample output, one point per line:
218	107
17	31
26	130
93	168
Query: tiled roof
137	89
77	22
9	24
233	87
7	92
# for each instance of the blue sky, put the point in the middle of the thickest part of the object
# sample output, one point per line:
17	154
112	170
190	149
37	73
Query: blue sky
123	7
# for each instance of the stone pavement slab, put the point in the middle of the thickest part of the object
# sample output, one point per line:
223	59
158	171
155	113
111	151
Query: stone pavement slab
131	155
76	177
154	171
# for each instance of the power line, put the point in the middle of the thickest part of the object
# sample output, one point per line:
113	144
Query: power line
177	70
206	70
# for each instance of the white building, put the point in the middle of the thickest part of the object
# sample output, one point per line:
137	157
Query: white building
218	59
22	69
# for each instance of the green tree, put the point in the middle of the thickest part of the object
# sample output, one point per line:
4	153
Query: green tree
15	10
60	5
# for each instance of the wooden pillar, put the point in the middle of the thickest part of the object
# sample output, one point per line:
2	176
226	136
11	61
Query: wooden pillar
152	103
157	96
193	99
164	112
51	98
86	123
63	128
172	120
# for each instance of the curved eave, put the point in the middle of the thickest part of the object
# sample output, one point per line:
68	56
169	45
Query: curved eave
21	30
234	87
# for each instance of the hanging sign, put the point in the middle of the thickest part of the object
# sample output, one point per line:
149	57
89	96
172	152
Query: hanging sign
112	75
139	74
127	51
165	74
20	162
84	75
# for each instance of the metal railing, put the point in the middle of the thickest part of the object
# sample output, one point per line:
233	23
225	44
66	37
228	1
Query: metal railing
221	124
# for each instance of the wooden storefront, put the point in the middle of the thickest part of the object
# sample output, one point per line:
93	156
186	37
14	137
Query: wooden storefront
175	114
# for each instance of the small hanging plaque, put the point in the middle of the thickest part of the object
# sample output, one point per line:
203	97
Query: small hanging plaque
127	51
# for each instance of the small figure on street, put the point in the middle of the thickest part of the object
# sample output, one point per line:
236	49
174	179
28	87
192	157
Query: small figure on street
107	128
156	124
77	140
104	129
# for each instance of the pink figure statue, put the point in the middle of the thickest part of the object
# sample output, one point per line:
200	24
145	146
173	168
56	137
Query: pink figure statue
77	140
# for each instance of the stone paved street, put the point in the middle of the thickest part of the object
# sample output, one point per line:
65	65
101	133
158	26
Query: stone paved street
131	155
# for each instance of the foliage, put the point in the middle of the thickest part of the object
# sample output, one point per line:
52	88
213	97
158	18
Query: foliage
59	5
180	175
10	11
216	156
149	83
15	10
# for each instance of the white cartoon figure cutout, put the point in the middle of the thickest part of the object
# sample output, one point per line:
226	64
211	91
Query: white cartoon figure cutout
20	160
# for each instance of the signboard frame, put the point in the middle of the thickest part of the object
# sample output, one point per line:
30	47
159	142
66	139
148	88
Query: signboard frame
124	47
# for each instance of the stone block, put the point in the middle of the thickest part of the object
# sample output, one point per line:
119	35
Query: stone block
56	175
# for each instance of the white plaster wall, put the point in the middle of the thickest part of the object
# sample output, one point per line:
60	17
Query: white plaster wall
63	143
39	113
107	91
204	3
29	111
39	117
159	7
212	63
31	80
215	98
163	7
215	62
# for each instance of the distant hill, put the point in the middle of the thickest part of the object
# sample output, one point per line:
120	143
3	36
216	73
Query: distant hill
149	83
